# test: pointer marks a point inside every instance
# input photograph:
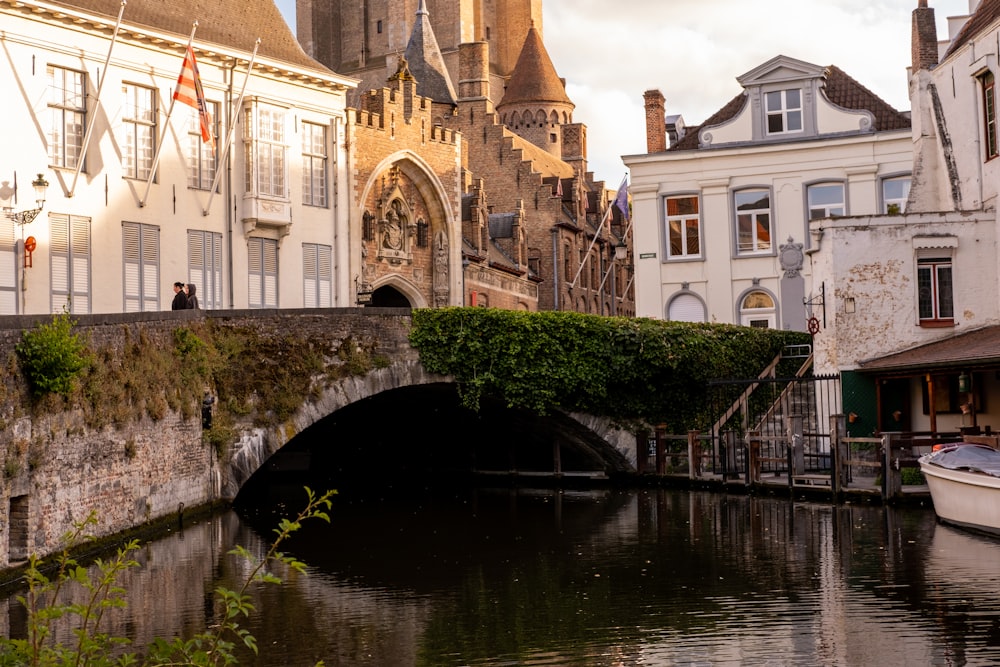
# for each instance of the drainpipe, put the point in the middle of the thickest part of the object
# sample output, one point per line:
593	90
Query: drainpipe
231	203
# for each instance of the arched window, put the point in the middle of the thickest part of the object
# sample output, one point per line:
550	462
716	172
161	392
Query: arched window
686	307
757	310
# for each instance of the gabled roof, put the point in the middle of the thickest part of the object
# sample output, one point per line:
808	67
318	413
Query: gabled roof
974	349
236	24
839	88
426	62
986	13
534	78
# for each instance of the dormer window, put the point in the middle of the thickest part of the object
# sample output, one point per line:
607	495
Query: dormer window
784	111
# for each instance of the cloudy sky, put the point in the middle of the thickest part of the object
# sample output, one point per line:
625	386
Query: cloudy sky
611	51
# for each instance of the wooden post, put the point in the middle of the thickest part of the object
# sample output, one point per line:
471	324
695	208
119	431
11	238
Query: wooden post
730	463
660	458
892	478
753	453
694	455
795	439
838	454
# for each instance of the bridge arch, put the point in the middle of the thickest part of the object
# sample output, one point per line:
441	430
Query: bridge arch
610	450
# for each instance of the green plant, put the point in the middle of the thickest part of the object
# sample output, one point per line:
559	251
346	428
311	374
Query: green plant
52	356
58	600
629	369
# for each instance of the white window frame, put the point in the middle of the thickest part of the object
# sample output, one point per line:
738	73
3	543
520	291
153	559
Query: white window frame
683	225
935	290
263	272
205	266
139	128
751	242
202	160
836	206
67	107
784	111
140	267
317	275
70	263
267	152
315	158
764	317
896	200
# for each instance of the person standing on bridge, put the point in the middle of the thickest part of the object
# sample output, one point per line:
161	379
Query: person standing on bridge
180	298
192	298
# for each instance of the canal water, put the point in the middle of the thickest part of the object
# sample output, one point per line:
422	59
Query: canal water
605	578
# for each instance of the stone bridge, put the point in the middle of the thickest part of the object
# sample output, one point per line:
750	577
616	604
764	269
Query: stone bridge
59	464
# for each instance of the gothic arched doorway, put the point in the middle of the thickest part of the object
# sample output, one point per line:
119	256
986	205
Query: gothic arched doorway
389	297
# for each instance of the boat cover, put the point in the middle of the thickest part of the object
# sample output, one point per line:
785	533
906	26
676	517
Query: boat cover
978	458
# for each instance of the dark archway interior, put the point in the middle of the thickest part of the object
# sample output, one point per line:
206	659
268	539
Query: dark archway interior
421	436
389	297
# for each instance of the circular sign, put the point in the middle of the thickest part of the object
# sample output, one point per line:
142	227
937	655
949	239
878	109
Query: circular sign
29	244
813	326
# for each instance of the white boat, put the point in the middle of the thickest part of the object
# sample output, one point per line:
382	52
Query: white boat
964	481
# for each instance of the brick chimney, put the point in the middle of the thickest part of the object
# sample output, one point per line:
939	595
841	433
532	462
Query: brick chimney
656	126
924	42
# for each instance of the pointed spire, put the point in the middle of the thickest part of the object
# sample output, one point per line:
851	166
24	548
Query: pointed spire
534	78
426	62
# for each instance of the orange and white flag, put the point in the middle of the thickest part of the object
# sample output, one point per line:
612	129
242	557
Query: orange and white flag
190	92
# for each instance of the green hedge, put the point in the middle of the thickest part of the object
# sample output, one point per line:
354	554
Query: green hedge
630	369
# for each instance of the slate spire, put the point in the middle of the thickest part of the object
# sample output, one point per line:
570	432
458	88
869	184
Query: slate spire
426	62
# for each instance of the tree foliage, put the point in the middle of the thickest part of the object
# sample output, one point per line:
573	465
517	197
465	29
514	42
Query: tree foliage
629	369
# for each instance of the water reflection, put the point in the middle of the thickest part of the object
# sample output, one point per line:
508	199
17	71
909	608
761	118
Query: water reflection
500	577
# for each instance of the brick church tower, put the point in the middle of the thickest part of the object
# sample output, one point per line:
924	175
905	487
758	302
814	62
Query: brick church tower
364	38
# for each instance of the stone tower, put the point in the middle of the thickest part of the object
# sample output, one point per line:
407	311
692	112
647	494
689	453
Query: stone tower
365	38
535	104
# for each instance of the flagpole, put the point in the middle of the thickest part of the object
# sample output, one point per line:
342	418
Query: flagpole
97	102
624	236
166	124
607	214
232	129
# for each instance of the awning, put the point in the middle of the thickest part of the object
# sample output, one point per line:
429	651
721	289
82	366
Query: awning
971	350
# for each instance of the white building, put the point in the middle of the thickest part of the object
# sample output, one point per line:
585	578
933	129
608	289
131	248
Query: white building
722	214
913	302
129	207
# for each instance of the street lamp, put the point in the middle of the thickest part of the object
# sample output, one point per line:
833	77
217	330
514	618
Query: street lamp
621	250
40	185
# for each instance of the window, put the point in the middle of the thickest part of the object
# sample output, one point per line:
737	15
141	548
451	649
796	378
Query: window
826	200
757	310
205	266
989	114
70	267
141	254
753	221
8	267
317	275
934	291
139	124
784	111
266	151
683	227
67	116
314	160
686	308
423	234
895	192
201	158
263	264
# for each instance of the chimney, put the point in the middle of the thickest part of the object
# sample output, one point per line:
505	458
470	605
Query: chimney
924	43
656	128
